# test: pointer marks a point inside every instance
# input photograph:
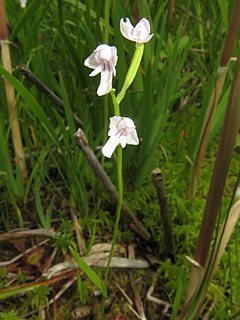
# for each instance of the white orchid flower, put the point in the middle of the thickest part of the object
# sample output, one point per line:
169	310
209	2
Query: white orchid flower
140	33
23	3
104	60
122	131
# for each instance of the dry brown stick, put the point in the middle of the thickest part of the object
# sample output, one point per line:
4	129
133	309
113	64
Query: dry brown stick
150	297
10	93
42	87
129	301
157	179
170	12
131	219
19	234
229	42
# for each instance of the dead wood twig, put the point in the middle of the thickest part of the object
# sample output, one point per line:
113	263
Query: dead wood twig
129	301
67	285
98	260
157	179
20	234
50	259
157	300
48	93
131	219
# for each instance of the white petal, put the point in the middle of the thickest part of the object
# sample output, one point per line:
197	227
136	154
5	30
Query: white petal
114	56
114	72
123	141
129	122
105	83
111	67
142	31
101	47
146	39
146	23
106	54
96	71
114	122
110	146
90	62
127	29
132	138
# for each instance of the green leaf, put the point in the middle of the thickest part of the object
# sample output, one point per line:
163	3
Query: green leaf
33	106
88	271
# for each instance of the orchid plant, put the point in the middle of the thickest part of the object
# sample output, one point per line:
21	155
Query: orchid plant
122	129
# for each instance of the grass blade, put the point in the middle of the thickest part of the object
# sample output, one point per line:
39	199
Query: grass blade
88	271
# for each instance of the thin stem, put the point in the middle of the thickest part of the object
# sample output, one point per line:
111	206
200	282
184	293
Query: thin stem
132	71
115	103
225	149
136	60
3	22
115	232
106	39
119	209
10	93
231	34
120	189
119	206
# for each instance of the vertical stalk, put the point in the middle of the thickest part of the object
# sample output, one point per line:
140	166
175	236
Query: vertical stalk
10	93
120	191
231	34
120	202
216	94
119	209
228	138
157	179
106	39
132	71
224	154
170	12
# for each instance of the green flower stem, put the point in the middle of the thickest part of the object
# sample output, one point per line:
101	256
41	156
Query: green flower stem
137	57
106	38
120	200
119	209
115	103
136	60
120	189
